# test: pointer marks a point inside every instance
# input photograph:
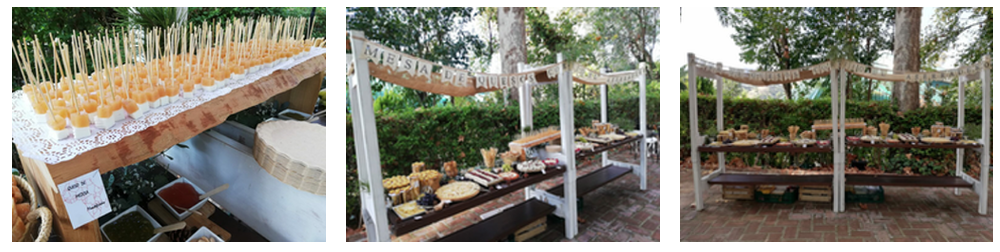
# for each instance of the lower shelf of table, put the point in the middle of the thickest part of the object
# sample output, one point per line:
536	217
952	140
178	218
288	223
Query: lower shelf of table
498	227
849	179
594	180
896	180
914	146
766	179
769	149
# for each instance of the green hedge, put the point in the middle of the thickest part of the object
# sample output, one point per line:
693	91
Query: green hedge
440	134
777	115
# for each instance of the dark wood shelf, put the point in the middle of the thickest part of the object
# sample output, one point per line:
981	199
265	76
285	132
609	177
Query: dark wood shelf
606	147
753	179
498	227
768	149
913	146
593	180
897	180
399	227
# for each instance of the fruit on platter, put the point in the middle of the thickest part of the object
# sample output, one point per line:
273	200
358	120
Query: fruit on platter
508	176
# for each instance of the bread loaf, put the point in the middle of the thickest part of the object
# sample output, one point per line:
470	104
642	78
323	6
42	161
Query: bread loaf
22	210
16	194
18	230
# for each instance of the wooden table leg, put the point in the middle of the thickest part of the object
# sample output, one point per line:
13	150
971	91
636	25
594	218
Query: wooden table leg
48	189
303	96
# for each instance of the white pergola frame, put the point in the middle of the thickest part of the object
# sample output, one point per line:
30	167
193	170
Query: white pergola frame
566	105
839	85
373	203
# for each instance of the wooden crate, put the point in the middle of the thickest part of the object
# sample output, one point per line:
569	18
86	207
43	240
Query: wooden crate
816	193
531	230
738	192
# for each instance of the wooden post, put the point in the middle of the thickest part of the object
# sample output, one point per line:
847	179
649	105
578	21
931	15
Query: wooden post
960	153
568	129
49	190
604	115
695	141
373	206
984	176
719	120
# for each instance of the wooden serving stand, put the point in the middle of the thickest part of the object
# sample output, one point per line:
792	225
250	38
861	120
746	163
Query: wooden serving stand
151	141
195	221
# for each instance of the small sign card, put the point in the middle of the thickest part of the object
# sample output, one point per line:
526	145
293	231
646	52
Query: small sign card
85	198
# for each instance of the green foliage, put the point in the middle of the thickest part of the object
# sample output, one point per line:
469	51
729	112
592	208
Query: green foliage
788	38
60	23
134	185
547	37
433	34
148	17
632	31
951	23
440	134
197	15
777	115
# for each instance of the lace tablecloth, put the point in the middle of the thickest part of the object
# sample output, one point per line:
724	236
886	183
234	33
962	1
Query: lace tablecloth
34	141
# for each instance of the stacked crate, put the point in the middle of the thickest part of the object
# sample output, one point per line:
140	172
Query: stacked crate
816	194
738	192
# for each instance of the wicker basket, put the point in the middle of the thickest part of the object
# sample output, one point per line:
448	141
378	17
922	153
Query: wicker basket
39	219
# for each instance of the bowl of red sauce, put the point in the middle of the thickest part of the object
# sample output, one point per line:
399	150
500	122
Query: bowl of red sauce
181	193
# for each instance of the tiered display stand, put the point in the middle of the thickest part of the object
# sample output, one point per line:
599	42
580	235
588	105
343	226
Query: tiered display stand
838	71
151	141
374	207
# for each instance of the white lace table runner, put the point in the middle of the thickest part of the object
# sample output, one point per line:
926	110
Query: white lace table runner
34	141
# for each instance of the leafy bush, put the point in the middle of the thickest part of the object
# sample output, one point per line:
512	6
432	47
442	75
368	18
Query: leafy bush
777	115
441	134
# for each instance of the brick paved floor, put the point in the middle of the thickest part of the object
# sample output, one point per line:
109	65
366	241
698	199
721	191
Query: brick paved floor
908	214
618	211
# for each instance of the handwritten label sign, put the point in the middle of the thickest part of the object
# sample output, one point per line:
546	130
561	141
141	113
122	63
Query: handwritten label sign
85	198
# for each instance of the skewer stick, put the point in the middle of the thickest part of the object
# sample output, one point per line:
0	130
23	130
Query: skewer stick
30	77
20	62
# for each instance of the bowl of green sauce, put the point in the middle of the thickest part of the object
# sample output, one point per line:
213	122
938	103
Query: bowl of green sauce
133	225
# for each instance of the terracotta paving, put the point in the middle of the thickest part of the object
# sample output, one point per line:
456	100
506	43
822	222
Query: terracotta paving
618	211
908	214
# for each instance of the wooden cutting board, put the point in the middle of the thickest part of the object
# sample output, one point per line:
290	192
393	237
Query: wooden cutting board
194	221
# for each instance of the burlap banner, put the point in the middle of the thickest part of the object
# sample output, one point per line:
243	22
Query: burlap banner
763	78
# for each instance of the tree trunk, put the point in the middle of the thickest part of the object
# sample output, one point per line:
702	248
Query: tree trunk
869	89
513	45
906	56
788	90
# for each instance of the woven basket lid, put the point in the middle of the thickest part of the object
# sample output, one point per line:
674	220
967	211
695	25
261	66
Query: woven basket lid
293	152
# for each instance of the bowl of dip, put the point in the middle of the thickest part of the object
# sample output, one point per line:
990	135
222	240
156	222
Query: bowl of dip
181	193
133	225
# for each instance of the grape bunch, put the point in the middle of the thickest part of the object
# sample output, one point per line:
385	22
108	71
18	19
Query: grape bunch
427	200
